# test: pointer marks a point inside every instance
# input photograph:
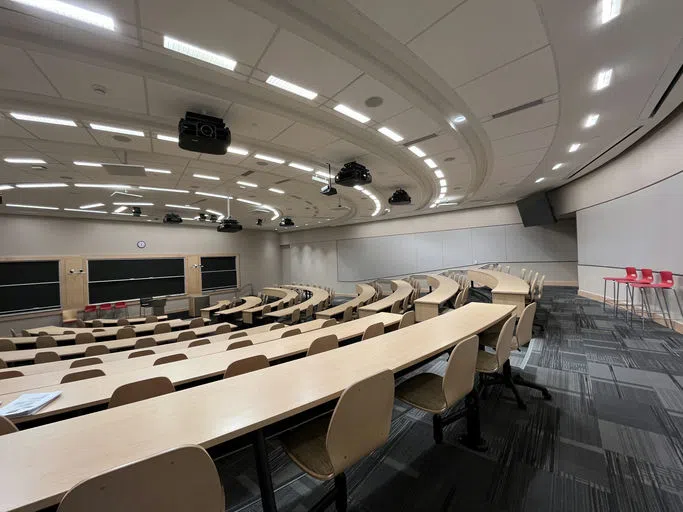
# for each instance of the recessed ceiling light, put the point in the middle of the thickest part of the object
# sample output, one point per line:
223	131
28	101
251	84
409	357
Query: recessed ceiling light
443	190
94	205
390	133
167	138
115	129
121	209
199	53
430	163
206	177
610	9
277	190
24	161
603	79
208	194
247	184
443	183
301	167
83	211
438	173
32	206
557	166
157	189
237	151
42	119
6	187
574	147
248	201
157	171
269	158
183	207
97	185
539	180
293	88
87	164
343	109
41	185
417	151
591	120
73	12
459	119
132	204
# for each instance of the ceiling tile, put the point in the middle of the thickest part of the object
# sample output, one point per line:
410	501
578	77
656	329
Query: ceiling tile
472	40
76	135
294	59
254	123
365	87
18	73
412	124
9	128
523	142
540	116
304	138
519	159
74	81
107	140
438	144
340	151
527	79
172	102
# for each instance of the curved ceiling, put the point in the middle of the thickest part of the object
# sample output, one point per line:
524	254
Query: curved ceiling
494	92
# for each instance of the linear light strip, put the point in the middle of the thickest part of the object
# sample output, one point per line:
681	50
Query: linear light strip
290	87
73	12
42	119
198	53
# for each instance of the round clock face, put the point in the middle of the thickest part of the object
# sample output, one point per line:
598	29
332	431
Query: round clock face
142	244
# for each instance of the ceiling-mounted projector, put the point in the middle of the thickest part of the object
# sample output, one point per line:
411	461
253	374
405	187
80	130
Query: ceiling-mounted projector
328	190
353	174
286	222
400	197
203	134
172	218
137	211
229	225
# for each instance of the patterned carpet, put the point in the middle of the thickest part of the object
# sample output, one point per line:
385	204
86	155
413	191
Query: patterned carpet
610	439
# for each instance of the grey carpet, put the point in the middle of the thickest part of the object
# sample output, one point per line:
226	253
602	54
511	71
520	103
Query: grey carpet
610	439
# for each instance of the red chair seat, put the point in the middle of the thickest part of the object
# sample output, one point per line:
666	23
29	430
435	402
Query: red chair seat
120	305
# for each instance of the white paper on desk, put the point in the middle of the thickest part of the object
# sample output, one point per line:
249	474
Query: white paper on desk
27	404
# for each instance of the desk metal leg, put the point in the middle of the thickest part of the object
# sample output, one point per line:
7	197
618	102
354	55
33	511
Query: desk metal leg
265	479
473	439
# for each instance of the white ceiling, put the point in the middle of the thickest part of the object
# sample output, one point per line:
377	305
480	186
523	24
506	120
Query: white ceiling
427	61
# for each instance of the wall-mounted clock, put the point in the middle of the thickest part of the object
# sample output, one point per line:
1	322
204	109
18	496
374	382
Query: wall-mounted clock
142	244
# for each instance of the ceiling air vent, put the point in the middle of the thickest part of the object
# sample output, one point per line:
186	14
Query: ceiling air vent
247	173
421	139
606	151
124	170
673	83
282	181
504	113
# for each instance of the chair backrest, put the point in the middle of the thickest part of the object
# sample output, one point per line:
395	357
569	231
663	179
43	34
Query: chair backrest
82	375
266	309
199	343
666	277
97	323
180	479
69	315
539	288
532	283
145	343
291	332
151	319
125	332
246	365
99	329
85	361
407	319
523	273
84	337
504	343
96	350
348	314
525	325
3	364
276	326
68	332
631	273
140	390
406	303
296	315
323	344
458	379
45	341
373	330
186	336
46	357
7	427
396	307
309	311
646	275
9	374
196	322
223	329
170	359
122	321
239	344
6	345
361	420
330	322
141	353
162	328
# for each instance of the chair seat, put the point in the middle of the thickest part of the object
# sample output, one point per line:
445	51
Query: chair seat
424	391
486	362
305	445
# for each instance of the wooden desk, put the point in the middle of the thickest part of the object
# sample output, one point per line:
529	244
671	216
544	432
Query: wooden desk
112	321
284	295
221	304
364	292
505	288
400	290
443	288
15	356
40	464
83	394
318	295
108	332
249	302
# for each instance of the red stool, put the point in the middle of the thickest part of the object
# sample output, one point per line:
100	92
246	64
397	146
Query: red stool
89	309
119	306
644	283
104	308
666	282
631	275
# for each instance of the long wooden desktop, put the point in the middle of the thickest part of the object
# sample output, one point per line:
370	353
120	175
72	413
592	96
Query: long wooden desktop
285	295
318	296
364	292
249	302
40	464
112	321
443	289
505	288
400	290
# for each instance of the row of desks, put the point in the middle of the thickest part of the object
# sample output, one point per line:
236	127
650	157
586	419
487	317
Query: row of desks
505	288
317	296
400	290
364	292
443	289
112	321
40	464
285	295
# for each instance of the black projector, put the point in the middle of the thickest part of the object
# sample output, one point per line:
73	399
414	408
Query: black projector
353	174
172	218
328	190
229	225
400	197
203	134
286	222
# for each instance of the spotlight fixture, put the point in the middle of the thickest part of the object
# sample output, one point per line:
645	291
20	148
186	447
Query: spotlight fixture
213	218
202	217
259	222
137	211
228	224
287	222
400	197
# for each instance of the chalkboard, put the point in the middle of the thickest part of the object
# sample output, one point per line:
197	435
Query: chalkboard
29	286
110	270
219	272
